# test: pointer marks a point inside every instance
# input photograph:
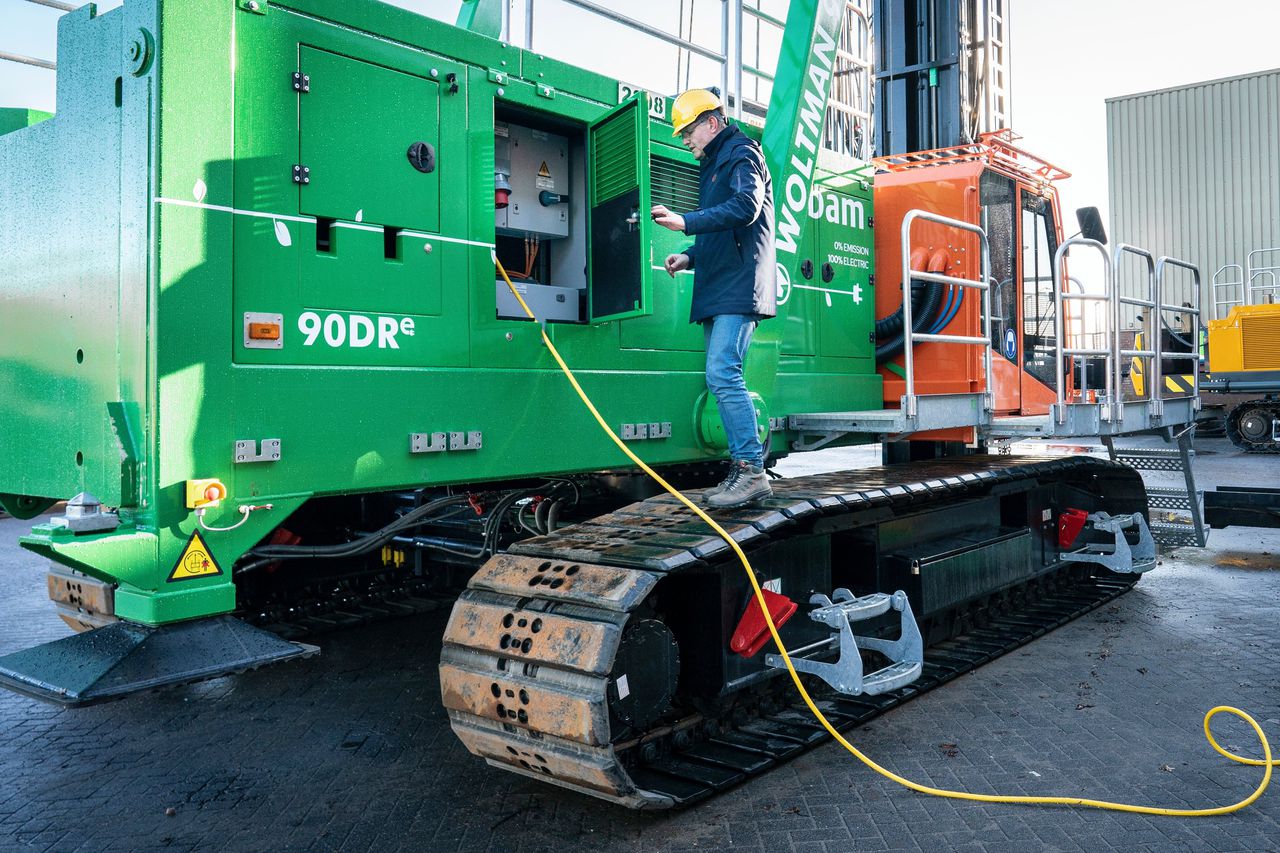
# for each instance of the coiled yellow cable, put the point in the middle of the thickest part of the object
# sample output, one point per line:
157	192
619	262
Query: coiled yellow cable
1266	762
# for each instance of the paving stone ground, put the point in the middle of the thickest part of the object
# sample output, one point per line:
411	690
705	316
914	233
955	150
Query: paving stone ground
352	751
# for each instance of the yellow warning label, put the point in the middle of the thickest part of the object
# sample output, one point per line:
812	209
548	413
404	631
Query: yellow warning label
196	561
544	172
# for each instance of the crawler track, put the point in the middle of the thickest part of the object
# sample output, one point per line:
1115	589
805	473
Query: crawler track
528	670
1248	426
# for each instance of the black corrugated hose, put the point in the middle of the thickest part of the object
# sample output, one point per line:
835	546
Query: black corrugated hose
926	298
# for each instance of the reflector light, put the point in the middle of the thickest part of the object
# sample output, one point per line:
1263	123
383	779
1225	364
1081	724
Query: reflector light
205	493
1070	523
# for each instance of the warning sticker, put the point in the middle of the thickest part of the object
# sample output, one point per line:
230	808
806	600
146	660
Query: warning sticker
544	172
196	561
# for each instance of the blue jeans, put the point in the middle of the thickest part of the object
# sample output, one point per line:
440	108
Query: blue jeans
727	337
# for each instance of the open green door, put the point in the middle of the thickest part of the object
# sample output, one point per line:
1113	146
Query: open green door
619	256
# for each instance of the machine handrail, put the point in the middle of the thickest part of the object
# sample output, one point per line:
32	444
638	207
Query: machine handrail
942	278
22	59
1157	379
1060	351
851	58
721	57
1215	285
1255	271
909	336
1192	311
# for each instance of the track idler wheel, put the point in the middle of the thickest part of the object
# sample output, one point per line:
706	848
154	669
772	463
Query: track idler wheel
1251	426
644	677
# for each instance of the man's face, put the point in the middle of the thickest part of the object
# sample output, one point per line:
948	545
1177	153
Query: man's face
697	137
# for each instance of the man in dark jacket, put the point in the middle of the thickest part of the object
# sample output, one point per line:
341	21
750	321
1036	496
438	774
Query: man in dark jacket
734	279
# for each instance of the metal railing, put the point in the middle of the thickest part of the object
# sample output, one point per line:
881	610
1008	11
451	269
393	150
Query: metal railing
1113	352
910	337
27	60
1192	311
1149	303
1222	306
721	57
21	59
1263	273
847	128
1061	352
761	19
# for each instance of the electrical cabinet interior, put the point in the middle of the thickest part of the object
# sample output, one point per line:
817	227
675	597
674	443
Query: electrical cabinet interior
540	229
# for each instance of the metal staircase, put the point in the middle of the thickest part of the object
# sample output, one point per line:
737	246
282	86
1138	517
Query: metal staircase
1184	521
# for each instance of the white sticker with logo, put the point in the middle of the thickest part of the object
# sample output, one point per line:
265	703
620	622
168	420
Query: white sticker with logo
355	331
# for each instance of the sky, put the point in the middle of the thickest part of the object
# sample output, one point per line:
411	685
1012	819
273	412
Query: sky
1067	58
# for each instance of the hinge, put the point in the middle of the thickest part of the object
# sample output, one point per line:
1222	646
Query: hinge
257	7
301	82
496	76
301	174
545	91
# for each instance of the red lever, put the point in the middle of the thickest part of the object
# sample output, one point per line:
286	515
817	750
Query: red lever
753	632
1070	523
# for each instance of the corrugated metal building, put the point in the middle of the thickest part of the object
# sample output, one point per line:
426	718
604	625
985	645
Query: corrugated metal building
1195	173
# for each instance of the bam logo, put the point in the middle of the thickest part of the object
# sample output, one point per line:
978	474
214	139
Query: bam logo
837	209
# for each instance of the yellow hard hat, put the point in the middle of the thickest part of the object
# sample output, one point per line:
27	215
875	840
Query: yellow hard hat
690	105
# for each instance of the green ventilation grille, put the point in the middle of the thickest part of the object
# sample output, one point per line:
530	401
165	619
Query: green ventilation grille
613	169
673	184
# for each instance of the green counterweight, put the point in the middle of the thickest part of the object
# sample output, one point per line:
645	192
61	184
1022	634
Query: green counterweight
254	245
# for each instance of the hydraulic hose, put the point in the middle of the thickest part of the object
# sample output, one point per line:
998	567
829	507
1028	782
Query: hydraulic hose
949	311
1266	762
926	296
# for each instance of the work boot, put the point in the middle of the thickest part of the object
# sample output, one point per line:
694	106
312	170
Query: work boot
745	484
717	489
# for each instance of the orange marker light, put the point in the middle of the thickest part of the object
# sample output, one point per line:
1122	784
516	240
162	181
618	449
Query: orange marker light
204	493
264	332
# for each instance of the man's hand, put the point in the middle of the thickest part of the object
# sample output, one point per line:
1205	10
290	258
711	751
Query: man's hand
676	263
666	218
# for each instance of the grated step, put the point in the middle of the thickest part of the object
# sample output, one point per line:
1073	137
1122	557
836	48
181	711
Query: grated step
1153	459
1166	498
1174	535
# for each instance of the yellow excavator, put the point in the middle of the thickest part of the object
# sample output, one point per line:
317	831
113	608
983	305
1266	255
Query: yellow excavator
1244	358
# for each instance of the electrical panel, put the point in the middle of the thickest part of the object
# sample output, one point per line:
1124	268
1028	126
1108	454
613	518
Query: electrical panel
534	167
547	302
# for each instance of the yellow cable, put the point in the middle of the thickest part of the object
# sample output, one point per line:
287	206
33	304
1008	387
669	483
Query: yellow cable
1266	762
